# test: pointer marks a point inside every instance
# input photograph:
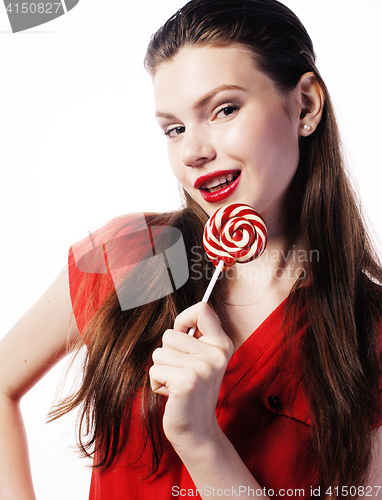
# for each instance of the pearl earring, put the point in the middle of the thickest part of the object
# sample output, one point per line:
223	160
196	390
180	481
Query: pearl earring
307	128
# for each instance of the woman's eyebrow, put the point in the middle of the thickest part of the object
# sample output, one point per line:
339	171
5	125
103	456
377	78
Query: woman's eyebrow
203	100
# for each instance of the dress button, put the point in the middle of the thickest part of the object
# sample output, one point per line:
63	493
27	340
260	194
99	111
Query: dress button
274	402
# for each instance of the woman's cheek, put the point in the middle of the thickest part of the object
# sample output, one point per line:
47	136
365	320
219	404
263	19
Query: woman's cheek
242	138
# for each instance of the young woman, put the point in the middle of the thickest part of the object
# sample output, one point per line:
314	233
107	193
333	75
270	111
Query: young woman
278	392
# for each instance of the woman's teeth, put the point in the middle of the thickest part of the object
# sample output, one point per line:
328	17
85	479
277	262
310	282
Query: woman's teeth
217	188
218	183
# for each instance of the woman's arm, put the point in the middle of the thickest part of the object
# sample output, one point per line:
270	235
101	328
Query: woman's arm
43	336
190	371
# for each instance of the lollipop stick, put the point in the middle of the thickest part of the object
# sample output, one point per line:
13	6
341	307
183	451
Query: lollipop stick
210	287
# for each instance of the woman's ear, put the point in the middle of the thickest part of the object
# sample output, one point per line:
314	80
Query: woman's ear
312	102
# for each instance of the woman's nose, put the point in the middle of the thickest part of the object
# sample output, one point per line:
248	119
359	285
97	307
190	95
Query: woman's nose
197	148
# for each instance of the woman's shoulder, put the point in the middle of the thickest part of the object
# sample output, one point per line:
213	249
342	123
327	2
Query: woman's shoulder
125	251
119	242
97	257
88	254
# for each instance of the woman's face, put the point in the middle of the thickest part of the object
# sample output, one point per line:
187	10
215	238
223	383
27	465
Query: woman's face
232	138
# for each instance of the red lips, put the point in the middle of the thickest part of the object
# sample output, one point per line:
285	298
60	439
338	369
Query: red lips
220	194
211	175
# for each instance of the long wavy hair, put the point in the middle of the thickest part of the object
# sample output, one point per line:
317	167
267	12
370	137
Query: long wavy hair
340	357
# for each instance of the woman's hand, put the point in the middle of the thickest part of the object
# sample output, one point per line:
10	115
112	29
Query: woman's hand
189	370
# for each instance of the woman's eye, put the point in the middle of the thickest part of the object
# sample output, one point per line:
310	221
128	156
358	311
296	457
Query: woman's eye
227	110
174	131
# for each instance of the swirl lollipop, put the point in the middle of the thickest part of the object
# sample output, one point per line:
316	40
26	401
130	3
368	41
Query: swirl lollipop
235	233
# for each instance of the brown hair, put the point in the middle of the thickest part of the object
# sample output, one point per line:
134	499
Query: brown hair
340	349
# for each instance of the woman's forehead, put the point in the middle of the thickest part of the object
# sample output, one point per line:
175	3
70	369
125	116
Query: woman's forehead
197	70
192	56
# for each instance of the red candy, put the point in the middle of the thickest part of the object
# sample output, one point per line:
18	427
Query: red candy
235	233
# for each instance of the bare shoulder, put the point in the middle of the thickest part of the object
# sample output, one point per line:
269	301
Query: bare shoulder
43	336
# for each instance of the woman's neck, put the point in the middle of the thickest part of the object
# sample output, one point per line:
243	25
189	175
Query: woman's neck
251	291
274	272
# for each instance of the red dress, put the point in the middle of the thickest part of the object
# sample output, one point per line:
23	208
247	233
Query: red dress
268	424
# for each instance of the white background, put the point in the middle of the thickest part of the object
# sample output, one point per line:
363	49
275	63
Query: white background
79	145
